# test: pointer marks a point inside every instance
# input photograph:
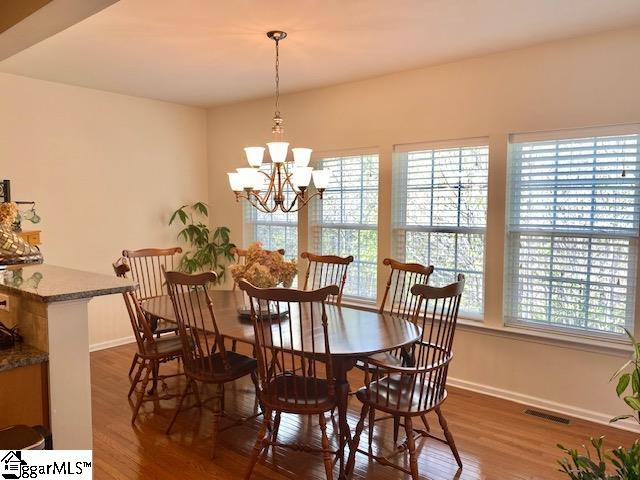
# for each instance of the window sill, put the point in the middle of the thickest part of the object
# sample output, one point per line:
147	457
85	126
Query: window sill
540	335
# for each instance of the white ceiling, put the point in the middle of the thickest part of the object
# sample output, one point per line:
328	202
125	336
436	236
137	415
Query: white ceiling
208	52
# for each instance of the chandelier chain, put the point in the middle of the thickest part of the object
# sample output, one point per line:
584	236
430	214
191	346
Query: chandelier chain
277	77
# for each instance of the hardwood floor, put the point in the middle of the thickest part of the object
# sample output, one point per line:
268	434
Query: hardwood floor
496	440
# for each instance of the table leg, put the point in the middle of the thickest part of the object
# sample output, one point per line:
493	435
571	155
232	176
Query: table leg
341	367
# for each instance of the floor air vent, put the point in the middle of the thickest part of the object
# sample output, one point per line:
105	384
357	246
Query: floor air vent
547	416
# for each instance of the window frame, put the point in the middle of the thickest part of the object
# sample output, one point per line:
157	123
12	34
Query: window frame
315	227
399	228
633	262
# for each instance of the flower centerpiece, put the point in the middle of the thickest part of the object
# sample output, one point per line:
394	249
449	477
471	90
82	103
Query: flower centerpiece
264	269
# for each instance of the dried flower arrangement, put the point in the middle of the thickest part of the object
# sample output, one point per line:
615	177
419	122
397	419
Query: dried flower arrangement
265	269
8	214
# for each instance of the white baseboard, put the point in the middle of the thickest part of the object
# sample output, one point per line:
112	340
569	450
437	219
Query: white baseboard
111	343
596	417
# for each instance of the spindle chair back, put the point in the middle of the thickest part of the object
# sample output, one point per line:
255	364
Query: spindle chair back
146	269
324	270
402	277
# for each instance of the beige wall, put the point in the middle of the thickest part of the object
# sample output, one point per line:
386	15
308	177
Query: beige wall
105	170
583	82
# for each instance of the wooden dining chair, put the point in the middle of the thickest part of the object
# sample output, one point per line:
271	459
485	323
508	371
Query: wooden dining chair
324	270
205	357
145	268
406	392
152	352
294	363
399	301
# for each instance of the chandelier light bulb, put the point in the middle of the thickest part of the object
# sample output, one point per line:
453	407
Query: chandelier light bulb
301	176
254	155
321	178
235	181
278	151
249	177
301	156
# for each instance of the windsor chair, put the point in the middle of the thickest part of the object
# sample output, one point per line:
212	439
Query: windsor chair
295	377
324	270
406	392
152	352
401	303
205	357
145	267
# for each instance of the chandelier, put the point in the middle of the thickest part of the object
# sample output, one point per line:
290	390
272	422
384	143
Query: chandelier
284	186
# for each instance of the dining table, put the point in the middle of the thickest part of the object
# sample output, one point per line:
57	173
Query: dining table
353	333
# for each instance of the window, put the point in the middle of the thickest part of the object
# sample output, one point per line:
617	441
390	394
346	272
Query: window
440	212
345	222
274	230
572	231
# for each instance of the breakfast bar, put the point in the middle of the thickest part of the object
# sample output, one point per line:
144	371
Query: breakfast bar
49	305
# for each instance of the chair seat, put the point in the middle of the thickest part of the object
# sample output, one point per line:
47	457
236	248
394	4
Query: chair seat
386	358
164	346
211	368
397	393
296	393
21	437
160	325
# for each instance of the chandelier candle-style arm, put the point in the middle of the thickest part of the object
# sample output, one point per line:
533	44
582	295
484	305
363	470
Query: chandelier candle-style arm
268	191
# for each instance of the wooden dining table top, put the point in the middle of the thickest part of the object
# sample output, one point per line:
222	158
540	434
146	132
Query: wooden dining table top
352	332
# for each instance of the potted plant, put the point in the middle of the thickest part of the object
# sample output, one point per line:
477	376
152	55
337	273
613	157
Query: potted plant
209	250
624	461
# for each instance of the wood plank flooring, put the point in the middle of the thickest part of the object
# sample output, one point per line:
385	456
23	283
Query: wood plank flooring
496	440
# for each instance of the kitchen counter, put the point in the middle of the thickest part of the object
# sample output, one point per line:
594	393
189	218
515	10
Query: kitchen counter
21	355
49	283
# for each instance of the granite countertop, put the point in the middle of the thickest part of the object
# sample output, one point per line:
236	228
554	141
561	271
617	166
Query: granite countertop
21	355
49	283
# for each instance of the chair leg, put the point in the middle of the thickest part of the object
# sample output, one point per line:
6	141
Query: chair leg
179	406
326	453
136	378
448	436
425	422
396	429
276	427
218	405
155	366
143	392
372	422
411	446
355	441
134	362
259	445
256	385
196	392
234	345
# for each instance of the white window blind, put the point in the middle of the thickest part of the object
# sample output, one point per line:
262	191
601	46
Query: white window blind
440	212
572	232
345	222
274	230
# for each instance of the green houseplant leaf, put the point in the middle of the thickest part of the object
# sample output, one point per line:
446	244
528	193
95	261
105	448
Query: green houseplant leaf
209	251
626	461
